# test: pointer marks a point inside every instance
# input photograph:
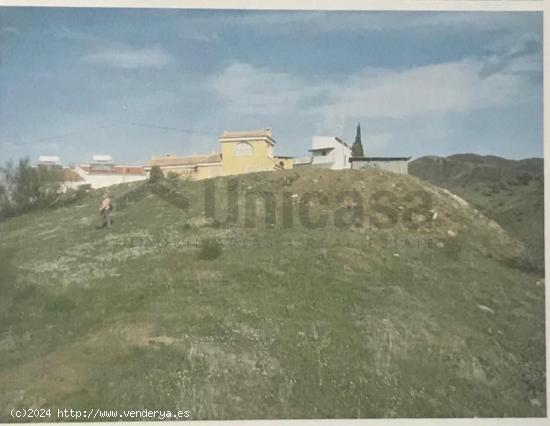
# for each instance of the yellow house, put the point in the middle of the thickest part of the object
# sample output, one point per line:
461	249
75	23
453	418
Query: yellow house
285	162
241	152
192	167
247	152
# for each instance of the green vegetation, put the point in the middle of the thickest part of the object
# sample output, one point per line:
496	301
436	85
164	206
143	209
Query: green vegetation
368	319
507	191
24	187
357	147
172	175
156	174
210	249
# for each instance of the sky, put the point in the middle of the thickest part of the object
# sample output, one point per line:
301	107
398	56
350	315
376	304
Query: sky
135	83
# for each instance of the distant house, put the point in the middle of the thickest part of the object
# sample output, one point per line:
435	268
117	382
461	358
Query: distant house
330	152
285	162
193	167
241	152
391	164
101	161
49	160
250	151
102	172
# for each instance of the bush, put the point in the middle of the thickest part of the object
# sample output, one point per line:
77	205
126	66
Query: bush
530	260
71	196
524	179
209	249
24	187
156	174
454	247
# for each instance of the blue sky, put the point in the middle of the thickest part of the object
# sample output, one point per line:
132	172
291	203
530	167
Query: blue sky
140	82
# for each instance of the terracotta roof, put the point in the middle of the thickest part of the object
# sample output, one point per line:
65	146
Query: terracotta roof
247	134
115	170
189	160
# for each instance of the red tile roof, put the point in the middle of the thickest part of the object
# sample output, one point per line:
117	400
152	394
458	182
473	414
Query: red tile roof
189	160
115	170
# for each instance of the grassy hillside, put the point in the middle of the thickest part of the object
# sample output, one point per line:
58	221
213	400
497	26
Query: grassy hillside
511	192
408	312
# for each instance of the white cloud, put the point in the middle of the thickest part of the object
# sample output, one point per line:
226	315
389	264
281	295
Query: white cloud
248	90
129	58
432	90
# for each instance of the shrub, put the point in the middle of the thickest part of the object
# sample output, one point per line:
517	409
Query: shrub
24	187
71	196
524	179
453	248
209	249
530	260
172	175
156	174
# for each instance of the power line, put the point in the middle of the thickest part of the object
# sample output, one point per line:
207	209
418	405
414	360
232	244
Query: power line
76	132
174	129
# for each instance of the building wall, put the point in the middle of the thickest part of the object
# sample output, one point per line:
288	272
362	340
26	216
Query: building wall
285	163
194	172
319	159
339	156
394	166
208	171
259	158
102	181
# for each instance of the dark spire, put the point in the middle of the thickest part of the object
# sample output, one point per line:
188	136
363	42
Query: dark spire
357	147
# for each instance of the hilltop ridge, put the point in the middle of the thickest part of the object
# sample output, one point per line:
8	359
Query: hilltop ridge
416	310
511	192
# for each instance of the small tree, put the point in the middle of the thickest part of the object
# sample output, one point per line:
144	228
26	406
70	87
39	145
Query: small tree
25	187
172	175
156	174
357	147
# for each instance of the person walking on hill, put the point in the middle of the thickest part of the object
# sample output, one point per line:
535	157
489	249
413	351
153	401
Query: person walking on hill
105	211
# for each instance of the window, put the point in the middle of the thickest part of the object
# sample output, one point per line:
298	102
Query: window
243	149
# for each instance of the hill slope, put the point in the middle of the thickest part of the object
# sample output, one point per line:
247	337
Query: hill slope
414	310
511	192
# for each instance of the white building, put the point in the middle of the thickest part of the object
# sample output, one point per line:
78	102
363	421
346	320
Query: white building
49	160
330	152
302	161
102	172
